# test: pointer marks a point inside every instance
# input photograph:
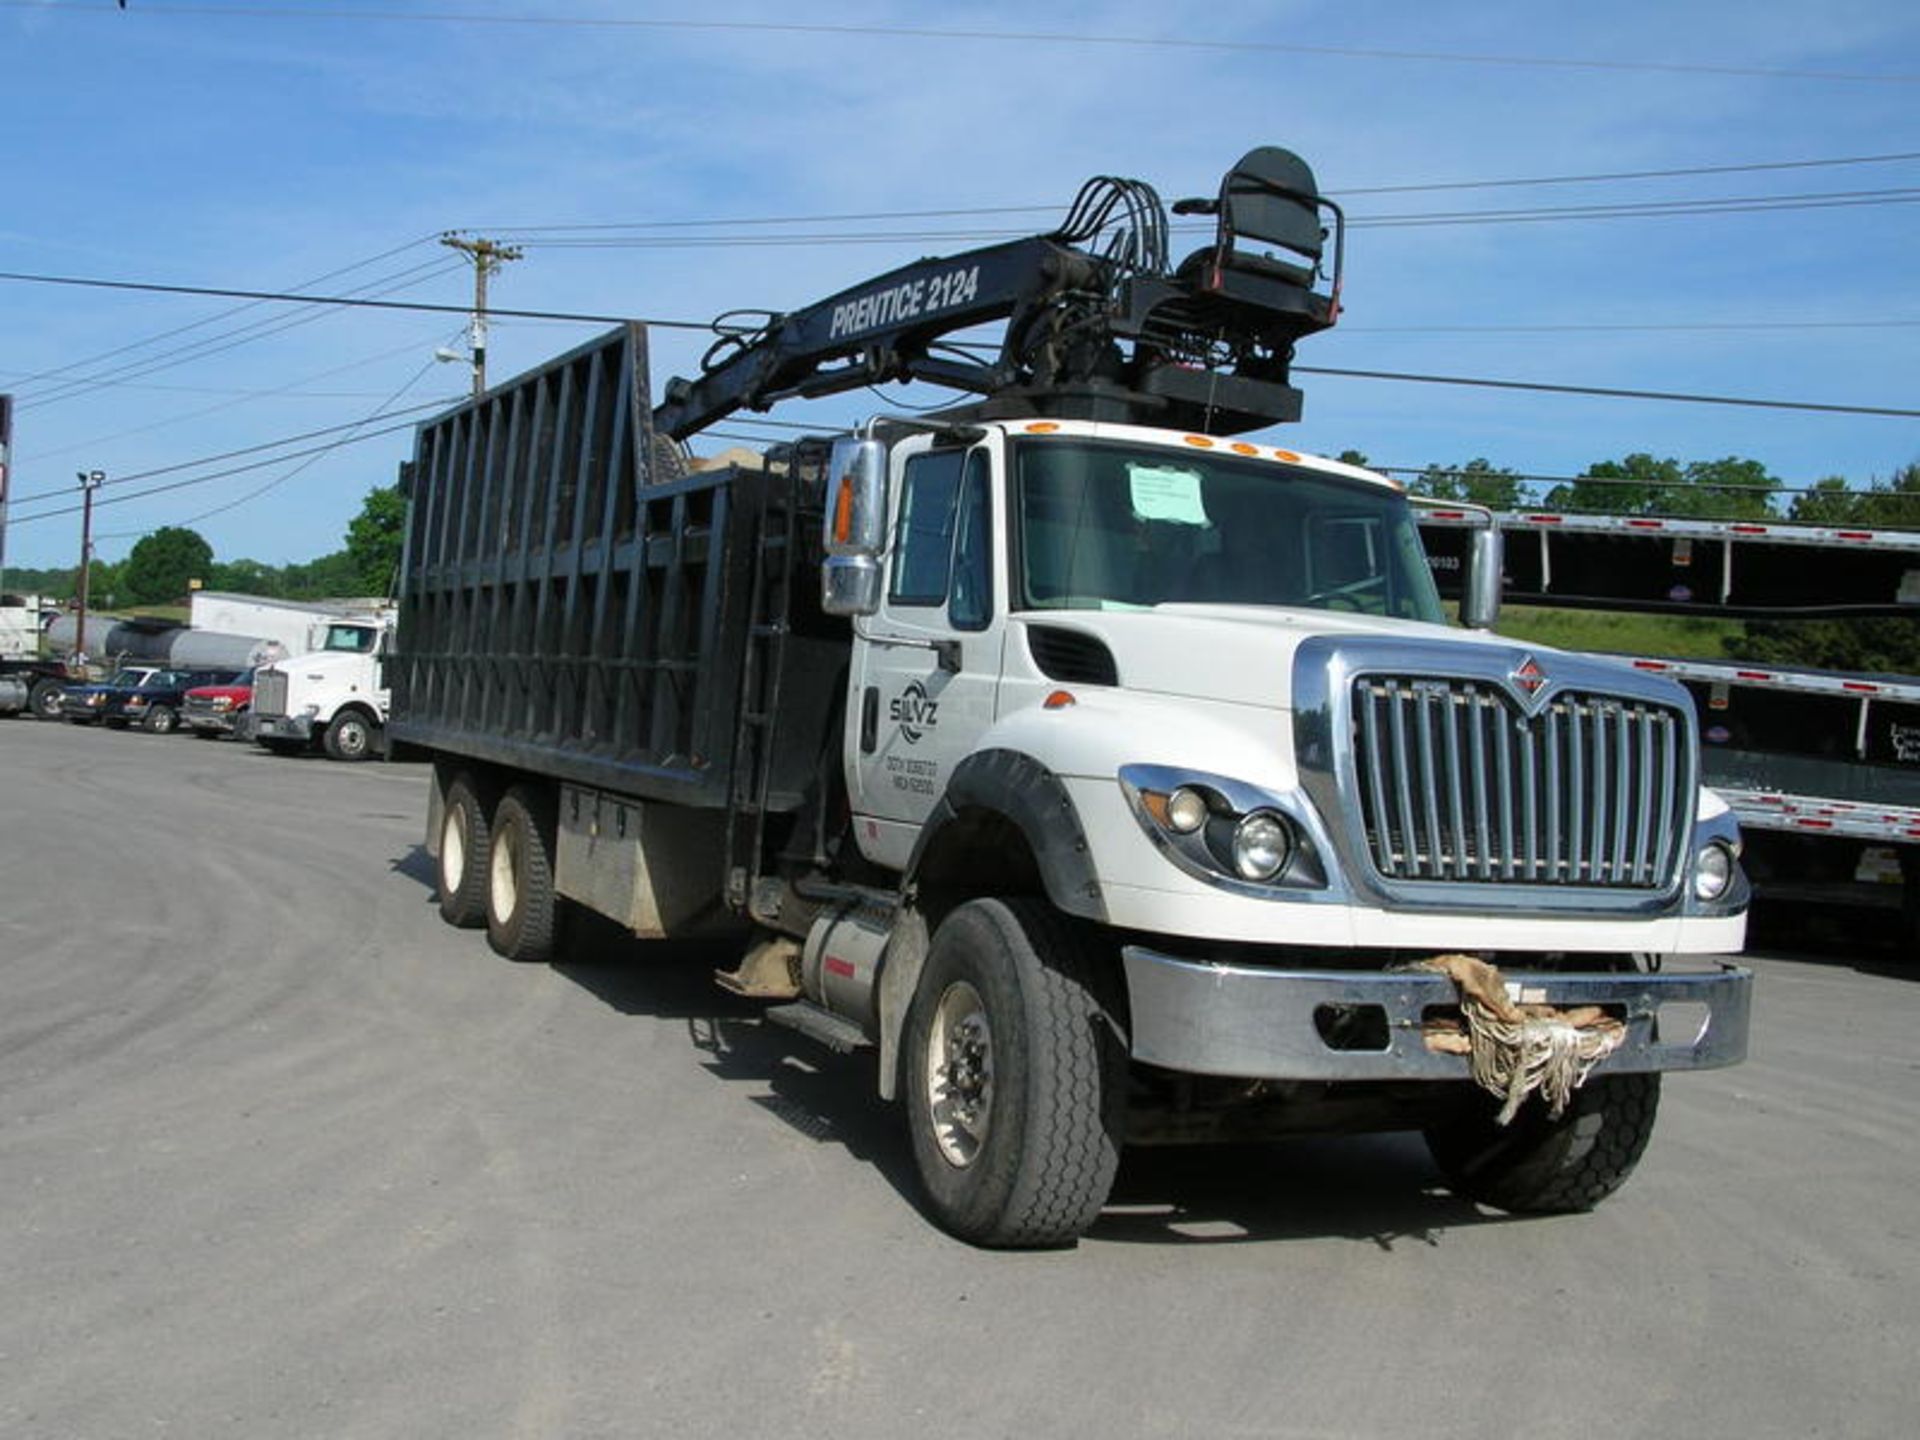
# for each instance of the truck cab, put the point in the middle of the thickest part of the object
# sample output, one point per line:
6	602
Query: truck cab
334	697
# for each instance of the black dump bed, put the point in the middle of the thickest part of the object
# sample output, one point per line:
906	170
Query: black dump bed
567	611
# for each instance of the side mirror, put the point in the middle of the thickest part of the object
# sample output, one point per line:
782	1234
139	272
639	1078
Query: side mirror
1486	564
855	527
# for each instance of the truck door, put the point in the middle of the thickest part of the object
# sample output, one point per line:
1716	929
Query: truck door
928	660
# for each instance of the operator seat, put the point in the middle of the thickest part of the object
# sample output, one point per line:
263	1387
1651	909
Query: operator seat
1268	202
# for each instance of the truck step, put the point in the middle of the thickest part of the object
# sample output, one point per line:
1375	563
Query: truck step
816	1024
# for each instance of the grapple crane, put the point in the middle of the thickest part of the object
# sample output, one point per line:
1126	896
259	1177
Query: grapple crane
1097	323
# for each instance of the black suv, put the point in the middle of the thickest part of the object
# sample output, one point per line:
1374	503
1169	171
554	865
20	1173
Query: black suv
152	700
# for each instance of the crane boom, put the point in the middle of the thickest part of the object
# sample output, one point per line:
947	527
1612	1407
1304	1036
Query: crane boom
1097	323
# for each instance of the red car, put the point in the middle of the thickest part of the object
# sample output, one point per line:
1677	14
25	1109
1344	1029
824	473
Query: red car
215	710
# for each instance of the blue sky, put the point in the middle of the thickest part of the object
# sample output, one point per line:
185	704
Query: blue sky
266	144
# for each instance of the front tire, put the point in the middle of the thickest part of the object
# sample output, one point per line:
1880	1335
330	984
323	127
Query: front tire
522	910
350	737
44	699
1015	1076
465	856
1543	1166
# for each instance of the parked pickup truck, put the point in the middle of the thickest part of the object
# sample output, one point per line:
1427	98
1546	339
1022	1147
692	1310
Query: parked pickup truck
150	699
212	711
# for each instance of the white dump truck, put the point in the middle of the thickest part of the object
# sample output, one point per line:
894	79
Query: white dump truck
1117	780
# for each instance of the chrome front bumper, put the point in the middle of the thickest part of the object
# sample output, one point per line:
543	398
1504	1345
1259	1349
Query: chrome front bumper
1207	1019
283	727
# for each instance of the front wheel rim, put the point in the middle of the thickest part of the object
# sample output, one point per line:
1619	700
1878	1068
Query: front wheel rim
960	1074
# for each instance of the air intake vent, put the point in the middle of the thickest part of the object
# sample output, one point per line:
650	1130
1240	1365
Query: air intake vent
1072	656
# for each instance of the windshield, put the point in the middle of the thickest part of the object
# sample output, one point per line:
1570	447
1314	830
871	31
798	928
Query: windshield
356	638
1106	525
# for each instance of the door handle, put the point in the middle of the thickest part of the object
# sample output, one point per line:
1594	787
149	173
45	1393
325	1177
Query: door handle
870	720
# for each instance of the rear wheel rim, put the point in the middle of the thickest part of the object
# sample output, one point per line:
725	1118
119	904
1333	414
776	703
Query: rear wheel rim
960	1074
504	876
453	849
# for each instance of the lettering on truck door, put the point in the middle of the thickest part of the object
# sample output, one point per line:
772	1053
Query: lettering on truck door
929	658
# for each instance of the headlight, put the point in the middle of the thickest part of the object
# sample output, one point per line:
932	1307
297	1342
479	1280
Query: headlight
222	702
1224	831
1712	872
1186	810
1262	844
136	702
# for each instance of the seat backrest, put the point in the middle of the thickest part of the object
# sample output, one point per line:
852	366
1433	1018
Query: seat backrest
1270	198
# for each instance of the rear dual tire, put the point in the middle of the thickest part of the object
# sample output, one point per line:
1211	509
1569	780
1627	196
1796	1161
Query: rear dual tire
465	841
522	911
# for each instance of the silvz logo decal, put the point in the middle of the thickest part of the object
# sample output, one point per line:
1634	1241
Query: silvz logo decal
914	712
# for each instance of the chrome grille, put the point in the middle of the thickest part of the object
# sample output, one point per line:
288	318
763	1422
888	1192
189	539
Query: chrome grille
1458	783
270	693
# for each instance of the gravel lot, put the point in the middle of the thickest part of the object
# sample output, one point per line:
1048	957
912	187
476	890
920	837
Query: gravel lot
283	1156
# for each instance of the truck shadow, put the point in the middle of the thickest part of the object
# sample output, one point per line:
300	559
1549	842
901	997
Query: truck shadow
1379	1189
829	1099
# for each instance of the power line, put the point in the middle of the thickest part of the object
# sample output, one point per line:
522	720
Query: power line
1615	210
707	327
344	301
964	212
1017	37
175	468
1613	393
308	312
18	380
244	397
236	470
304	465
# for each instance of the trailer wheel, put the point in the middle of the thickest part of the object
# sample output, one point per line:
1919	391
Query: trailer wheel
522	913
44	699
464	856
350	736
1015	1076
1543	1166
160	720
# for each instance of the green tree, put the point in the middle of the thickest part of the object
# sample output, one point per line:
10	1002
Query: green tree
329	577
246	577
374	539
106	584
1884	505
1478	482
161	563
1641	484
1881	645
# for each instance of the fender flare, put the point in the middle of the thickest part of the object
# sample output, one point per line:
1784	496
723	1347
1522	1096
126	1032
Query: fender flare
1023	791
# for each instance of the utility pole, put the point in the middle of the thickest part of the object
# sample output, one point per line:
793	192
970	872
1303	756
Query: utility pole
487	257
6	440
90	481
